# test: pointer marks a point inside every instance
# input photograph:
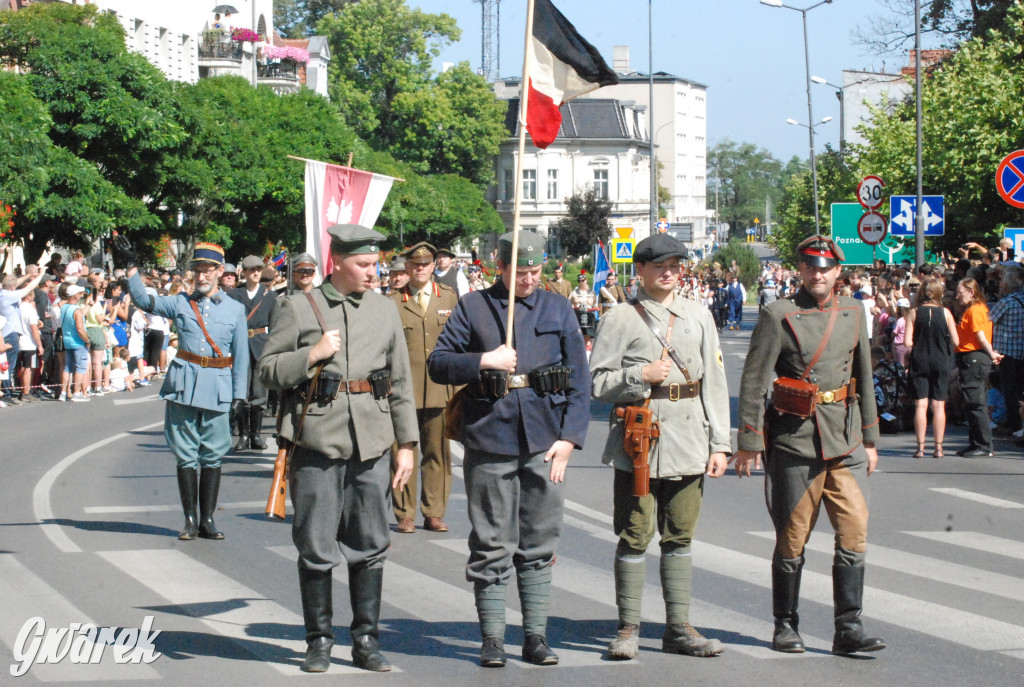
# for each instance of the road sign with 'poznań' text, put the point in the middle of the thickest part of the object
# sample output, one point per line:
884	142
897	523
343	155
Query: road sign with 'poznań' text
901	215
622	250
845	217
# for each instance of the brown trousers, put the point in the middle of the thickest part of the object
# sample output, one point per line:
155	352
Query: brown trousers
796	487
433	458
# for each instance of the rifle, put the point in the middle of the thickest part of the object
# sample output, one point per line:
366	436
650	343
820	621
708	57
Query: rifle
640	431
279	483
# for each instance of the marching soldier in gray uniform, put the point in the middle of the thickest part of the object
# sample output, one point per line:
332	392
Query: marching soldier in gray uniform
527	407
340	355
205	380
258	301
630	363
818	438
303	271
424	307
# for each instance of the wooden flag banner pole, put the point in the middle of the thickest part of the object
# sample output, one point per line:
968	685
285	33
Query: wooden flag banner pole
348	166
524	99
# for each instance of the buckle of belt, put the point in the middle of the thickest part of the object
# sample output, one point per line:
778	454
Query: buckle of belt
677	391
828	397
518	381
204	361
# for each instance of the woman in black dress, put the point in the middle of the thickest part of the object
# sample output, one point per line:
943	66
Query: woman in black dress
930	339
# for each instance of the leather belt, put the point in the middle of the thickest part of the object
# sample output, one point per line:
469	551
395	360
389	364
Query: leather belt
356	386
258	330
836	395
676	392
204	361
518	381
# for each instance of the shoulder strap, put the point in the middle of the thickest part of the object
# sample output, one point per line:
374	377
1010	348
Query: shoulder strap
824	340
202	325
316	311
653	326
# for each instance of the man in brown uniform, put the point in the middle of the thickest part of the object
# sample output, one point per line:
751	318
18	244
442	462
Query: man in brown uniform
559	284
814	455
424	306
612	293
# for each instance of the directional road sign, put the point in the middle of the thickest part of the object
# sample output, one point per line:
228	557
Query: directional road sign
1010	179
662	225
872	228
622	250
1018	241
901	215
871	192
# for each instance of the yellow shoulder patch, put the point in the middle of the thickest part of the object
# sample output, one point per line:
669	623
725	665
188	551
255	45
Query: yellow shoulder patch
721	363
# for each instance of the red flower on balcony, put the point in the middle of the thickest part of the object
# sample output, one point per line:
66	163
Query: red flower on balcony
244	35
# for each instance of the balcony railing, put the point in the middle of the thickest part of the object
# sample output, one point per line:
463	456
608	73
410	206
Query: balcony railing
287	70
216	45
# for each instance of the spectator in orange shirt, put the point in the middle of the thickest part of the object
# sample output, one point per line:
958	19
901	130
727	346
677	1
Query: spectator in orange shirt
974	359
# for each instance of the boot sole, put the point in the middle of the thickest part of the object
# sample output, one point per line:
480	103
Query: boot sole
841	651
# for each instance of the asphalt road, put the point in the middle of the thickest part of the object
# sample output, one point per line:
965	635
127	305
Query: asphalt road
90	513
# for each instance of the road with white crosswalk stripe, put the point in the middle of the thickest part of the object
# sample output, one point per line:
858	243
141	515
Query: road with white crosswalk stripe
88	528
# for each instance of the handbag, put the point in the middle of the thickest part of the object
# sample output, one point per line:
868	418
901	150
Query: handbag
453	415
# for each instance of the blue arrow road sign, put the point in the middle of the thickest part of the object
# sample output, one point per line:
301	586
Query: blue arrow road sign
901	215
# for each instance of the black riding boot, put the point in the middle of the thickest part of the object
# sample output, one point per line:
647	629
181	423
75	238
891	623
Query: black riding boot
209	485
242	421
365	585
785	596
848	593
256	443
317	613
188	489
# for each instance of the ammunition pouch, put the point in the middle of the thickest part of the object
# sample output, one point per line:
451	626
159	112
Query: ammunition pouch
550	378
380	383
493	384
327	387
794	396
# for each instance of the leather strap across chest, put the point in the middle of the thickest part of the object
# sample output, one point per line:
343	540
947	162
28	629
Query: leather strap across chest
824	339
209	339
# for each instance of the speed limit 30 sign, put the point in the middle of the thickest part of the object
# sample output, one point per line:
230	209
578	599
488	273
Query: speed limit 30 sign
871	192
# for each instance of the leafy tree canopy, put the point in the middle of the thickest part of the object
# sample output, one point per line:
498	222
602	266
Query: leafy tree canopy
743	176
586	224
950	21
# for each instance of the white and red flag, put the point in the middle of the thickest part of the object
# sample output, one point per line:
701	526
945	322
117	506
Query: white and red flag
339	195
563	65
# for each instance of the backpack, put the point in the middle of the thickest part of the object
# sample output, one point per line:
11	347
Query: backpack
892	395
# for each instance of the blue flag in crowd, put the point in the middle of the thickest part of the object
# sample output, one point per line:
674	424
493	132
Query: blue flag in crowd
601	270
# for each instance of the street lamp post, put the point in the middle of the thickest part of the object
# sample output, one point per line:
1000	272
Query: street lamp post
810	110
841	94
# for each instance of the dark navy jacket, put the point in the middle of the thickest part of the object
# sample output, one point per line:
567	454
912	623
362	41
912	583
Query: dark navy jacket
546	333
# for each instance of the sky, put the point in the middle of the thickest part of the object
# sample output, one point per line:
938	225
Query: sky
750	56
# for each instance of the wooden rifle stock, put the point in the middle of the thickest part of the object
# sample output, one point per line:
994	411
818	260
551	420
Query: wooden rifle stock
279	485
640	431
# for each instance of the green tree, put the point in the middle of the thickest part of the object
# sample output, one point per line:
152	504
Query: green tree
106	115
742	176
952	21
453	126
837	183
586	223
746	260
290	18
971	119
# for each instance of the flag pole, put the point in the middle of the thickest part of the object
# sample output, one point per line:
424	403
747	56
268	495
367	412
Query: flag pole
524	99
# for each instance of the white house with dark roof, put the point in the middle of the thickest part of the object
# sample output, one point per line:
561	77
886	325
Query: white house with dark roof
602	144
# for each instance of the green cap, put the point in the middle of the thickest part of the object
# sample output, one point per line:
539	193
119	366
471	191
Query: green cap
530	249
354	238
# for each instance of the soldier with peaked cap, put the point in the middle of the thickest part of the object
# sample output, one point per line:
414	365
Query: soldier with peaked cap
205	380
814	456
303	272
526	409
630	365
424	307
258	300
340	470
229	278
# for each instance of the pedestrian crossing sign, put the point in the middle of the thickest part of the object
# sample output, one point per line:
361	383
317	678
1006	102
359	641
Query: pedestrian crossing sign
622	250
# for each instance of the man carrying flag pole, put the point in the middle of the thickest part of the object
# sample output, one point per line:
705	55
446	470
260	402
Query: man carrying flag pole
527	395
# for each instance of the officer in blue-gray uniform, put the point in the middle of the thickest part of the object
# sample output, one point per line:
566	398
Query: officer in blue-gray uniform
206	380
527	408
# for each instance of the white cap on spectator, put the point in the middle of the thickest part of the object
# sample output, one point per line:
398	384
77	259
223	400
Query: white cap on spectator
75	289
